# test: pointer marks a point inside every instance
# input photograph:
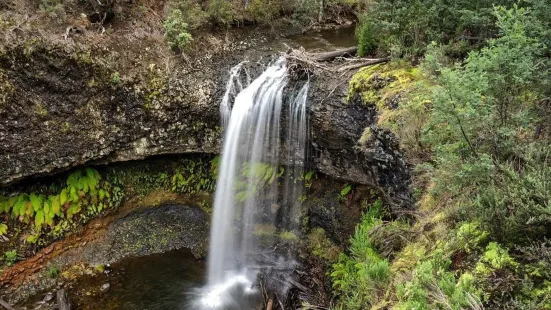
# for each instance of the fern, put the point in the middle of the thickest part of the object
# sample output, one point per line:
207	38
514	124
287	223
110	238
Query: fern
63	197
36	202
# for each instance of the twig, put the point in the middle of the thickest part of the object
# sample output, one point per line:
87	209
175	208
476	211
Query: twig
5	305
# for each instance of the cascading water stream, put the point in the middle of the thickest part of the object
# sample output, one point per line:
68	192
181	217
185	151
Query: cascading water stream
252	143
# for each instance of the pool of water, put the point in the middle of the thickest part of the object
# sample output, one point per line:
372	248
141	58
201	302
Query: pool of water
326	40
159	281
171	280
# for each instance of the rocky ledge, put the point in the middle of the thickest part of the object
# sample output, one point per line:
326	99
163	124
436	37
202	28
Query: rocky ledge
142	232
72	103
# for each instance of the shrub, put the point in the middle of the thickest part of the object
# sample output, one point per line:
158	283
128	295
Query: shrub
221	12
322	247
360	276
433	286
10	257
367	39
52	271
263	11
176	29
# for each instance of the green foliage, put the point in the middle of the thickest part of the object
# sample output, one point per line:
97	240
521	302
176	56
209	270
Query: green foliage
470	236
366	34
433	286
479	122
52	271
482	112
3	229
177	30
84	190
359	277
406	27
115	78
259	176
322	247
288	236
10	257
306	12
194	177
494	258
52	7
344	192
264	10
221	12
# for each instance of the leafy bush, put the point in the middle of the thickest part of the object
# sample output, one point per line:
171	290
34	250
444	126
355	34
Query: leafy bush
323	247
177	30
433	286
482	112
405	27
358	277
10	257
3	229
221	12
264	11
367	38
85	190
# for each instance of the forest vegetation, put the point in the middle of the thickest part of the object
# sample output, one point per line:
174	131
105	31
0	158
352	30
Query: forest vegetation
473	119
468	95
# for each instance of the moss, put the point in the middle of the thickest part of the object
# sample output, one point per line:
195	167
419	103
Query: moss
366	136
40	109
288	236
408	257
383	81
385	86
264	230
322	247
99	268
83	57
494	258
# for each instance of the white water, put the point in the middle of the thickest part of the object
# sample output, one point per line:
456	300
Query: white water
253	136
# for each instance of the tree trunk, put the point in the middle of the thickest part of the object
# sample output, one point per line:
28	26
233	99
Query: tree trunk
332	55
363	64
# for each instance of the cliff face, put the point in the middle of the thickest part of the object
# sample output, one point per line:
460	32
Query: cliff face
85	98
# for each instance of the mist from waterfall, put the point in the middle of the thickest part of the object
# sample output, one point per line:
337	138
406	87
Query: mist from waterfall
261	129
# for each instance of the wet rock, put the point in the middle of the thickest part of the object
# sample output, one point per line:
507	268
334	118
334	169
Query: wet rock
75	115
337	125
141	233
105	287
49	297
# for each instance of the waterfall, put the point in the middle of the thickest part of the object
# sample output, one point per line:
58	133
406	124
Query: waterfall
247	178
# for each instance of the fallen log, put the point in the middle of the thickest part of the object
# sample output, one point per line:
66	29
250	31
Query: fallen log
5	305
332	55
63	300
363	64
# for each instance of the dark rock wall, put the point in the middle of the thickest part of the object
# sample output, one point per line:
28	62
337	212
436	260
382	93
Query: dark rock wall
63	110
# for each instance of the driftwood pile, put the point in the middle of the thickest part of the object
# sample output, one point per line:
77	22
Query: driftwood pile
336	61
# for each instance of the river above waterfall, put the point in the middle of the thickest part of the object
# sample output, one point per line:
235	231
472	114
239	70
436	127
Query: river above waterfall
325	40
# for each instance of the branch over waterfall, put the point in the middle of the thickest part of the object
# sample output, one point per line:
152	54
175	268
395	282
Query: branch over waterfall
334	61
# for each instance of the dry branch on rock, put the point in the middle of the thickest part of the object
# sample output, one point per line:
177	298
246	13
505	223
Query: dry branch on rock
300	60
5	305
